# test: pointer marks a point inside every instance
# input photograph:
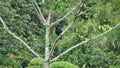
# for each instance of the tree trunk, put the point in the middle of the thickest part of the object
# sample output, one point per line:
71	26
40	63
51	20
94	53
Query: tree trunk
46	63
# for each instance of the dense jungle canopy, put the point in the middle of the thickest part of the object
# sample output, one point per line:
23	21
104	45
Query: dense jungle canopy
21	18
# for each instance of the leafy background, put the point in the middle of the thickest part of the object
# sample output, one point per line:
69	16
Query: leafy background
21	18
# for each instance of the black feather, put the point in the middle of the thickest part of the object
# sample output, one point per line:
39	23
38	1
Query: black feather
58	31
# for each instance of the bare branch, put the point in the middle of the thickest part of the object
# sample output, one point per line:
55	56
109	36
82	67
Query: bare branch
18	38
56	40
38	10
106	32
43	1
49	16
81	43
91	7
66	14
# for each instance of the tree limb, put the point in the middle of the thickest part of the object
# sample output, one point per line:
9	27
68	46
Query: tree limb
81	43
91	7
49	16
66	14
56	40
38	10
18	38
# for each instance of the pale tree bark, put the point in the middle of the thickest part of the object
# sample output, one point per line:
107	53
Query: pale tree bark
46	64
47	27
43	1
39	12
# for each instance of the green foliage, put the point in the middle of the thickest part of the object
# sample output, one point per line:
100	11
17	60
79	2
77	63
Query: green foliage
104	27
7	62
3	60
35	63
62	64
21	18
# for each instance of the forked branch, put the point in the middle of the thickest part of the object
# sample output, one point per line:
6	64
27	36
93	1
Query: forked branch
39	12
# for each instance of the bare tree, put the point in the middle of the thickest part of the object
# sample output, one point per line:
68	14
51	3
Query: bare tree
46	22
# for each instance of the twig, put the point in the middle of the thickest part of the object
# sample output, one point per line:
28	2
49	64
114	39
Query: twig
38	10
91	7
66	14
81	43
18	38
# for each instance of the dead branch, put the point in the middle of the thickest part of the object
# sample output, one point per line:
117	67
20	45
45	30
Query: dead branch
56	22
38	10
49	16
81	43
91	7
56	40
18	38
